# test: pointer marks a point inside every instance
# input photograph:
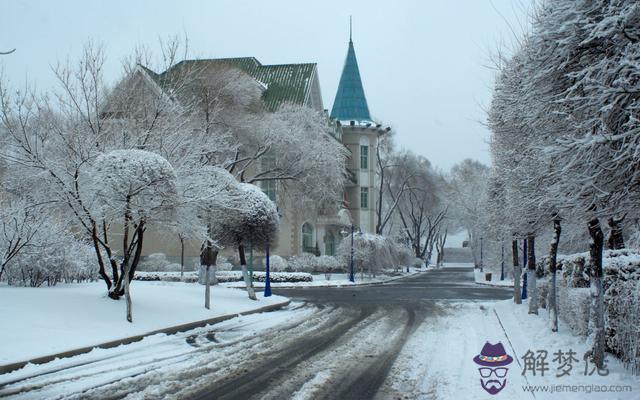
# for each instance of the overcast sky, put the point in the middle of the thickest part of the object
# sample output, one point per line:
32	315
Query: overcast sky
423	63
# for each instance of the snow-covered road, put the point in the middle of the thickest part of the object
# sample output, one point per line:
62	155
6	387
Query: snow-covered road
409	339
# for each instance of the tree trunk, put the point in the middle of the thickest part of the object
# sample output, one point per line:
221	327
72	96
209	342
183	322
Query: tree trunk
138	253
553	255
615	241
531	272
207	290
245	274
127	295
101	267
517	271
597	298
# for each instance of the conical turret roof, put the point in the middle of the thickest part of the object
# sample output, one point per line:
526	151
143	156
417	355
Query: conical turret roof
350	103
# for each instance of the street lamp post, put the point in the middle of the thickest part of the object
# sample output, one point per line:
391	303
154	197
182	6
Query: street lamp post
481	256
502	262
267	280
351	276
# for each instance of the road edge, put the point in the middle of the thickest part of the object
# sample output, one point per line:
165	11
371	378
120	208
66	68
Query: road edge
7	368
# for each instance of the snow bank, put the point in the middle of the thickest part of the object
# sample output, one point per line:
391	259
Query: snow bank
43	321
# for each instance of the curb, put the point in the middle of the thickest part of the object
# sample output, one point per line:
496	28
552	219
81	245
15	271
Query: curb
131	339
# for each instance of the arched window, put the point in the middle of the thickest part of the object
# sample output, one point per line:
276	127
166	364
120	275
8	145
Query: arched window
330	244
307	237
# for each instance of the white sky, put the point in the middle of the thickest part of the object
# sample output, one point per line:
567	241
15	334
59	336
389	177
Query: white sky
423	62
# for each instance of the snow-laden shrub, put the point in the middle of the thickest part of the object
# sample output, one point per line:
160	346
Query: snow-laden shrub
416	262
55	256
154	262
276	277
622	306
189	277
329	265
302	263
573	308
283	277
225	276
277	264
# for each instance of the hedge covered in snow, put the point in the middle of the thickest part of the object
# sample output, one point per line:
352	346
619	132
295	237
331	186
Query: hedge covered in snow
621	285
224	276
310	263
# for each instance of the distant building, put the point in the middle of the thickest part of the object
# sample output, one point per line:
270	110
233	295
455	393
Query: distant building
360	134
309	231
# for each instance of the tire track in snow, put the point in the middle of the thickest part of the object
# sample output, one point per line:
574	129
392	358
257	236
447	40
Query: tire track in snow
272	368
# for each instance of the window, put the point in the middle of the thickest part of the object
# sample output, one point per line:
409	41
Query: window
269	188
364	157
307	237
364	197
330	244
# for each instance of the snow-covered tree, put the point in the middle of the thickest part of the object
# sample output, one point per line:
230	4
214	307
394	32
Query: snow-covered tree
566	105
247	218
205	194
468	182
134	189
19	224
418	192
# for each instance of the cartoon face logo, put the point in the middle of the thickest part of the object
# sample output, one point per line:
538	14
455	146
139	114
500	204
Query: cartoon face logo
492	361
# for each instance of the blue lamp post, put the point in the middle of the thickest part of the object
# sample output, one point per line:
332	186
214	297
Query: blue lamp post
351	275
502	262
267	279
481	255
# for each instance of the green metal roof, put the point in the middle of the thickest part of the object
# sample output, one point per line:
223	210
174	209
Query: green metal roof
350	103
285	83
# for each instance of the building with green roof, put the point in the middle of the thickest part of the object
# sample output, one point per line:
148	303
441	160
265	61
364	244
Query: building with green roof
297	84
282	83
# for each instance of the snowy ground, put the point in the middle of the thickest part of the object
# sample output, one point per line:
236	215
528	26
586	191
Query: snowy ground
419	345
43	321
337	280
436	362
495	279
166	361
